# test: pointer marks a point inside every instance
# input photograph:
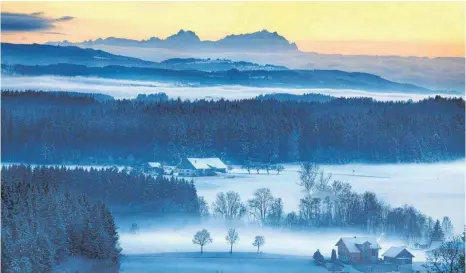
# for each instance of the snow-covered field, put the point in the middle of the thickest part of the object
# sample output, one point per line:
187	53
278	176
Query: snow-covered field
218	262
435	189
130	89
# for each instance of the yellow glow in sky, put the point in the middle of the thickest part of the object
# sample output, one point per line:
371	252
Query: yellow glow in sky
376	28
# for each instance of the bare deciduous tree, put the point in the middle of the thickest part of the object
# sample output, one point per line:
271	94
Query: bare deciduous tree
260	204
308	176
448	258
323	182
229	206
203	207
202	238
279	168
258	242
447	227
232	237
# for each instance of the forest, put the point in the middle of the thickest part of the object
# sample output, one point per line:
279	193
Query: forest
119	190
43	224
50	214
53	127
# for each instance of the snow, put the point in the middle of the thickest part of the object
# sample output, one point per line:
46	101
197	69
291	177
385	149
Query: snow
218	262
207	163
393	251
130	89
155	164
351	242
152	239
436	189
84	265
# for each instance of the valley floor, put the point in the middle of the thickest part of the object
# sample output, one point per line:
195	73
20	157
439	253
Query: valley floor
215	262
218	263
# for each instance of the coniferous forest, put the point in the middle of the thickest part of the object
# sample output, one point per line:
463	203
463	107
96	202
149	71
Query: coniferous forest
50	214
54	127
43	224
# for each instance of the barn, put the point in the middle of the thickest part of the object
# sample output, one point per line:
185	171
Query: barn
398	255
201	166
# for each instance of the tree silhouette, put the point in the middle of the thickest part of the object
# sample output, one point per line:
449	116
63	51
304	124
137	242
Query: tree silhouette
318	258
437	233
232	237
202	238
258	242
334	256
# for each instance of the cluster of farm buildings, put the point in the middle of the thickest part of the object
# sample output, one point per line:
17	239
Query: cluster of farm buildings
363	254
190	167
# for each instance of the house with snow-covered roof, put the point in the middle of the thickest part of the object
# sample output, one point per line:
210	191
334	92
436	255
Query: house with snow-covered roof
358	250
201	166
398	255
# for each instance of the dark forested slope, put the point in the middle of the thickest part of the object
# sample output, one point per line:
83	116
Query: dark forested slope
43	224
45	127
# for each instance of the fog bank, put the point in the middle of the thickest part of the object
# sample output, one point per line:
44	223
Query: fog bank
122	89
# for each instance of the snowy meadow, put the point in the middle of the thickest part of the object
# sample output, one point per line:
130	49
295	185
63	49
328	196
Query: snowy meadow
435	189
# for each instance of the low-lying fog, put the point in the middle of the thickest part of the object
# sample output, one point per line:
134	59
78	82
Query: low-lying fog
436	189
130	89
276	241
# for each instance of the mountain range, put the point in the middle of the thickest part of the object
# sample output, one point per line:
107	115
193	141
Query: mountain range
266	47
188	40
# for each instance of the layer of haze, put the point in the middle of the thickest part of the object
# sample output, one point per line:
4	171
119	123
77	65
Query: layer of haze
130	89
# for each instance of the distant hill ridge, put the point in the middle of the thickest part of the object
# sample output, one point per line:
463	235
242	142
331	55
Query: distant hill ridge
257	78
37	54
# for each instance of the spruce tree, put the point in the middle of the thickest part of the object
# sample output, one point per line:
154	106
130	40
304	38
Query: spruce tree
437	233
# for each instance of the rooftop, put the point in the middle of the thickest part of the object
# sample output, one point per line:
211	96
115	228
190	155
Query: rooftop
351	242
394	251
207	163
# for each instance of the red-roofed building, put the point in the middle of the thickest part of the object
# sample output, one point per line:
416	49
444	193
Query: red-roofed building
358	250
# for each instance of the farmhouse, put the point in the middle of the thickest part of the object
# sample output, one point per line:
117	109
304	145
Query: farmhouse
398	255
152	168
359	250
201	166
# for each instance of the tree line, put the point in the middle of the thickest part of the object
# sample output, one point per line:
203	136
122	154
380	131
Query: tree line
44	224
203	238
122	190
329	204
52	127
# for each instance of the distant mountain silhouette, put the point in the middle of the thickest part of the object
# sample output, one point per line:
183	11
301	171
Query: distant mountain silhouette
257	78
36	54
258	41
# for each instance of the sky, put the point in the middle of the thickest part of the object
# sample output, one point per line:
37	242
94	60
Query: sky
432	29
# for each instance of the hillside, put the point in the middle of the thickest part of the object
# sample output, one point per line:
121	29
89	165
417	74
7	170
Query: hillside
257	78
37	54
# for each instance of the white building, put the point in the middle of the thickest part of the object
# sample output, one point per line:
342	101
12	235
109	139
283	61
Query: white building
201	166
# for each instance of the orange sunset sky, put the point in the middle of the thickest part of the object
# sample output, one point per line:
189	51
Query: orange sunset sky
430	29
